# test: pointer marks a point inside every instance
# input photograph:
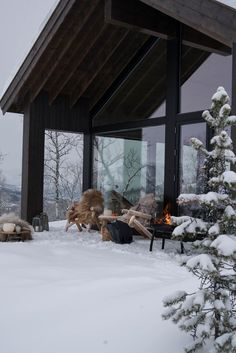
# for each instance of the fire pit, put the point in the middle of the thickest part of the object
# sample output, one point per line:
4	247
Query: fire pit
162	228
162	231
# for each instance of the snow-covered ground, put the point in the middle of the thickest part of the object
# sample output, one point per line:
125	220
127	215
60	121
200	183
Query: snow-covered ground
73	293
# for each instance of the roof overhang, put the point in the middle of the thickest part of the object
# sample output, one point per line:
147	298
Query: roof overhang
209	17
85	46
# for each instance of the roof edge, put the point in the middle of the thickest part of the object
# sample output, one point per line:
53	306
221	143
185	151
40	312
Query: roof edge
42	41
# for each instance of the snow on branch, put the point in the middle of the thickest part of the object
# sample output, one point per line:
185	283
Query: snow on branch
202	262
208	118
229	213
225	245
220	96
211	198
228	179
224	111
230	156
231	120
179	220
184	199
222	141
174	298
198	145
225	342
192	226
214	230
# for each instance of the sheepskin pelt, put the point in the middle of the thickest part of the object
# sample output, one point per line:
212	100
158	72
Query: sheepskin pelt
87	210
25	226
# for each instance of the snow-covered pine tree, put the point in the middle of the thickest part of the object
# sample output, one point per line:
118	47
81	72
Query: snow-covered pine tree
209	314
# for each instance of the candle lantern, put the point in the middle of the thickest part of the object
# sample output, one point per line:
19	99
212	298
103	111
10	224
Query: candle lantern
44	221
37	224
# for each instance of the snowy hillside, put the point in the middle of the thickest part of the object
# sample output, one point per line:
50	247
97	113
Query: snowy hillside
73	293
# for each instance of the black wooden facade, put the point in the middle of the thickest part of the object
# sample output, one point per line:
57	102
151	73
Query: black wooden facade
90	54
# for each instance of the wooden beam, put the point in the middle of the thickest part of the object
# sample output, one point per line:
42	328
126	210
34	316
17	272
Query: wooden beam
88	36
135	97
51	62
112	72
135	15
96	60
207	16
198	40
138	16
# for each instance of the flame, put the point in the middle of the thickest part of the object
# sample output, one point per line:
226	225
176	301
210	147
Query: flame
166	216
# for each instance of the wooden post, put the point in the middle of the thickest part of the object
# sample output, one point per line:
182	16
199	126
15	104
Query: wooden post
172	109
33	161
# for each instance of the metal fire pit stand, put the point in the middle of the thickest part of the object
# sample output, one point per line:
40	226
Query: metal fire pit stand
162	233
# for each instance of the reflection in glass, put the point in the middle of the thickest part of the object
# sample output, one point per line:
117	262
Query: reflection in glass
191	175
130	163
191	161
203	83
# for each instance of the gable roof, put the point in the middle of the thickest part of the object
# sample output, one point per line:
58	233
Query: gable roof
80	54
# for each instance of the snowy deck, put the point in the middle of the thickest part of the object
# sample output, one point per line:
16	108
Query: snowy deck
70	293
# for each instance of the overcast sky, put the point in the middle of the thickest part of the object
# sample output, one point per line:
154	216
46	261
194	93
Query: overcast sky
20	21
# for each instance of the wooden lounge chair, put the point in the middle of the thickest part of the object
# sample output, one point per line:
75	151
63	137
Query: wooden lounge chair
135	217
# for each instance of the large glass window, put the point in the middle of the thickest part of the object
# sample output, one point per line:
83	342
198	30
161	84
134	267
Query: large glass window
63	169
191	174
200	79
130	163
191	161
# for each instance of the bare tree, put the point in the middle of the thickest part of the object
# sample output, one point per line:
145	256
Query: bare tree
2	193
108	156
58	170
72	185
133	168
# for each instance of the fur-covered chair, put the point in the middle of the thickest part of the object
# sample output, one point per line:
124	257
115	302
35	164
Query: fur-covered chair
86	211
13	228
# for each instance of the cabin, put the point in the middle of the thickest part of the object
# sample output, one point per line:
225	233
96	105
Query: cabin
133	77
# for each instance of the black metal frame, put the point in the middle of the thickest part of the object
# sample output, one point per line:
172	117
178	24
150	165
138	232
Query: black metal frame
59	116
172	121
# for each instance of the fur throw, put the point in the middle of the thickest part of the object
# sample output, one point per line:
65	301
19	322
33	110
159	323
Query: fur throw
26	229
87	210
